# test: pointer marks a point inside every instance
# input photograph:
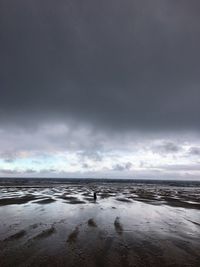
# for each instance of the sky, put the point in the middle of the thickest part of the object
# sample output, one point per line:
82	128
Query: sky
101	89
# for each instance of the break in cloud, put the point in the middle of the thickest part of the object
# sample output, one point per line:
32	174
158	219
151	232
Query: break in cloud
100	88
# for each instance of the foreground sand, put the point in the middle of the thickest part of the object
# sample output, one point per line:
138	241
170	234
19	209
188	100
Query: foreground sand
128	225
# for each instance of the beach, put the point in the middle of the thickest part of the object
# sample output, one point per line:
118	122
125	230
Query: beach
130	224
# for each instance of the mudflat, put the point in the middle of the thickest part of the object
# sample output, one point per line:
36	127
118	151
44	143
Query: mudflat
128	225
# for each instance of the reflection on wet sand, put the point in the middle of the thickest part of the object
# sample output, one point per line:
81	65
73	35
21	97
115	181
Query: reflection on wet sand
118	226
127	225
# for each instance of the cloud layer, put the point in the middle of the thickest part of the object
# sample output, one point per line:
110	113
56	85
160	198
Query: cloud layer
97	78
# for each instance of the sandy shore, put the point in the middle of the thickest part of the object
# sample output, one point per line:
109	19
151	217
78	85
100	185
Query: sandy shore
128	225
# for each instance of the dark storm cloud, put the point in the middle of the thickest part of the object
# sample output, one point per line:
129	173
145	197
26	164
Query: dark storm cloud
111	63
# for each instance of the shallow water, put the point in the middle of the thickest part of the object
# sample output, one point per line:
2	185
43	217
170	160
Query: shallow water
128	225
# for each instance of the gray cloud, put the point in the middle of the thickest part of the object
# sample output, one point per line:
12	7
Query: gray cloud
85	166
29	172
166	147
123	167
181	167
9	156
9	160
9	172
90	154
194	151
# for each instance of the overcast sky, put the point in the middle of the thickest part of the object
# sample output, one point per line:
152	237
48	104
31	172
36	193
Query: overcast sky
106	88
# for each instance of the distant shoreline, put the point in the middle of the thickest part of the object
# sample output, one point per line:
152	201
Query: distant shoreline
37	181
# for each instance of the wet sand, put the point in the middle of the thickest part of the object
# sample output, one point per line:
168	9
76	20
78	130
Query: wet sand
128	225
